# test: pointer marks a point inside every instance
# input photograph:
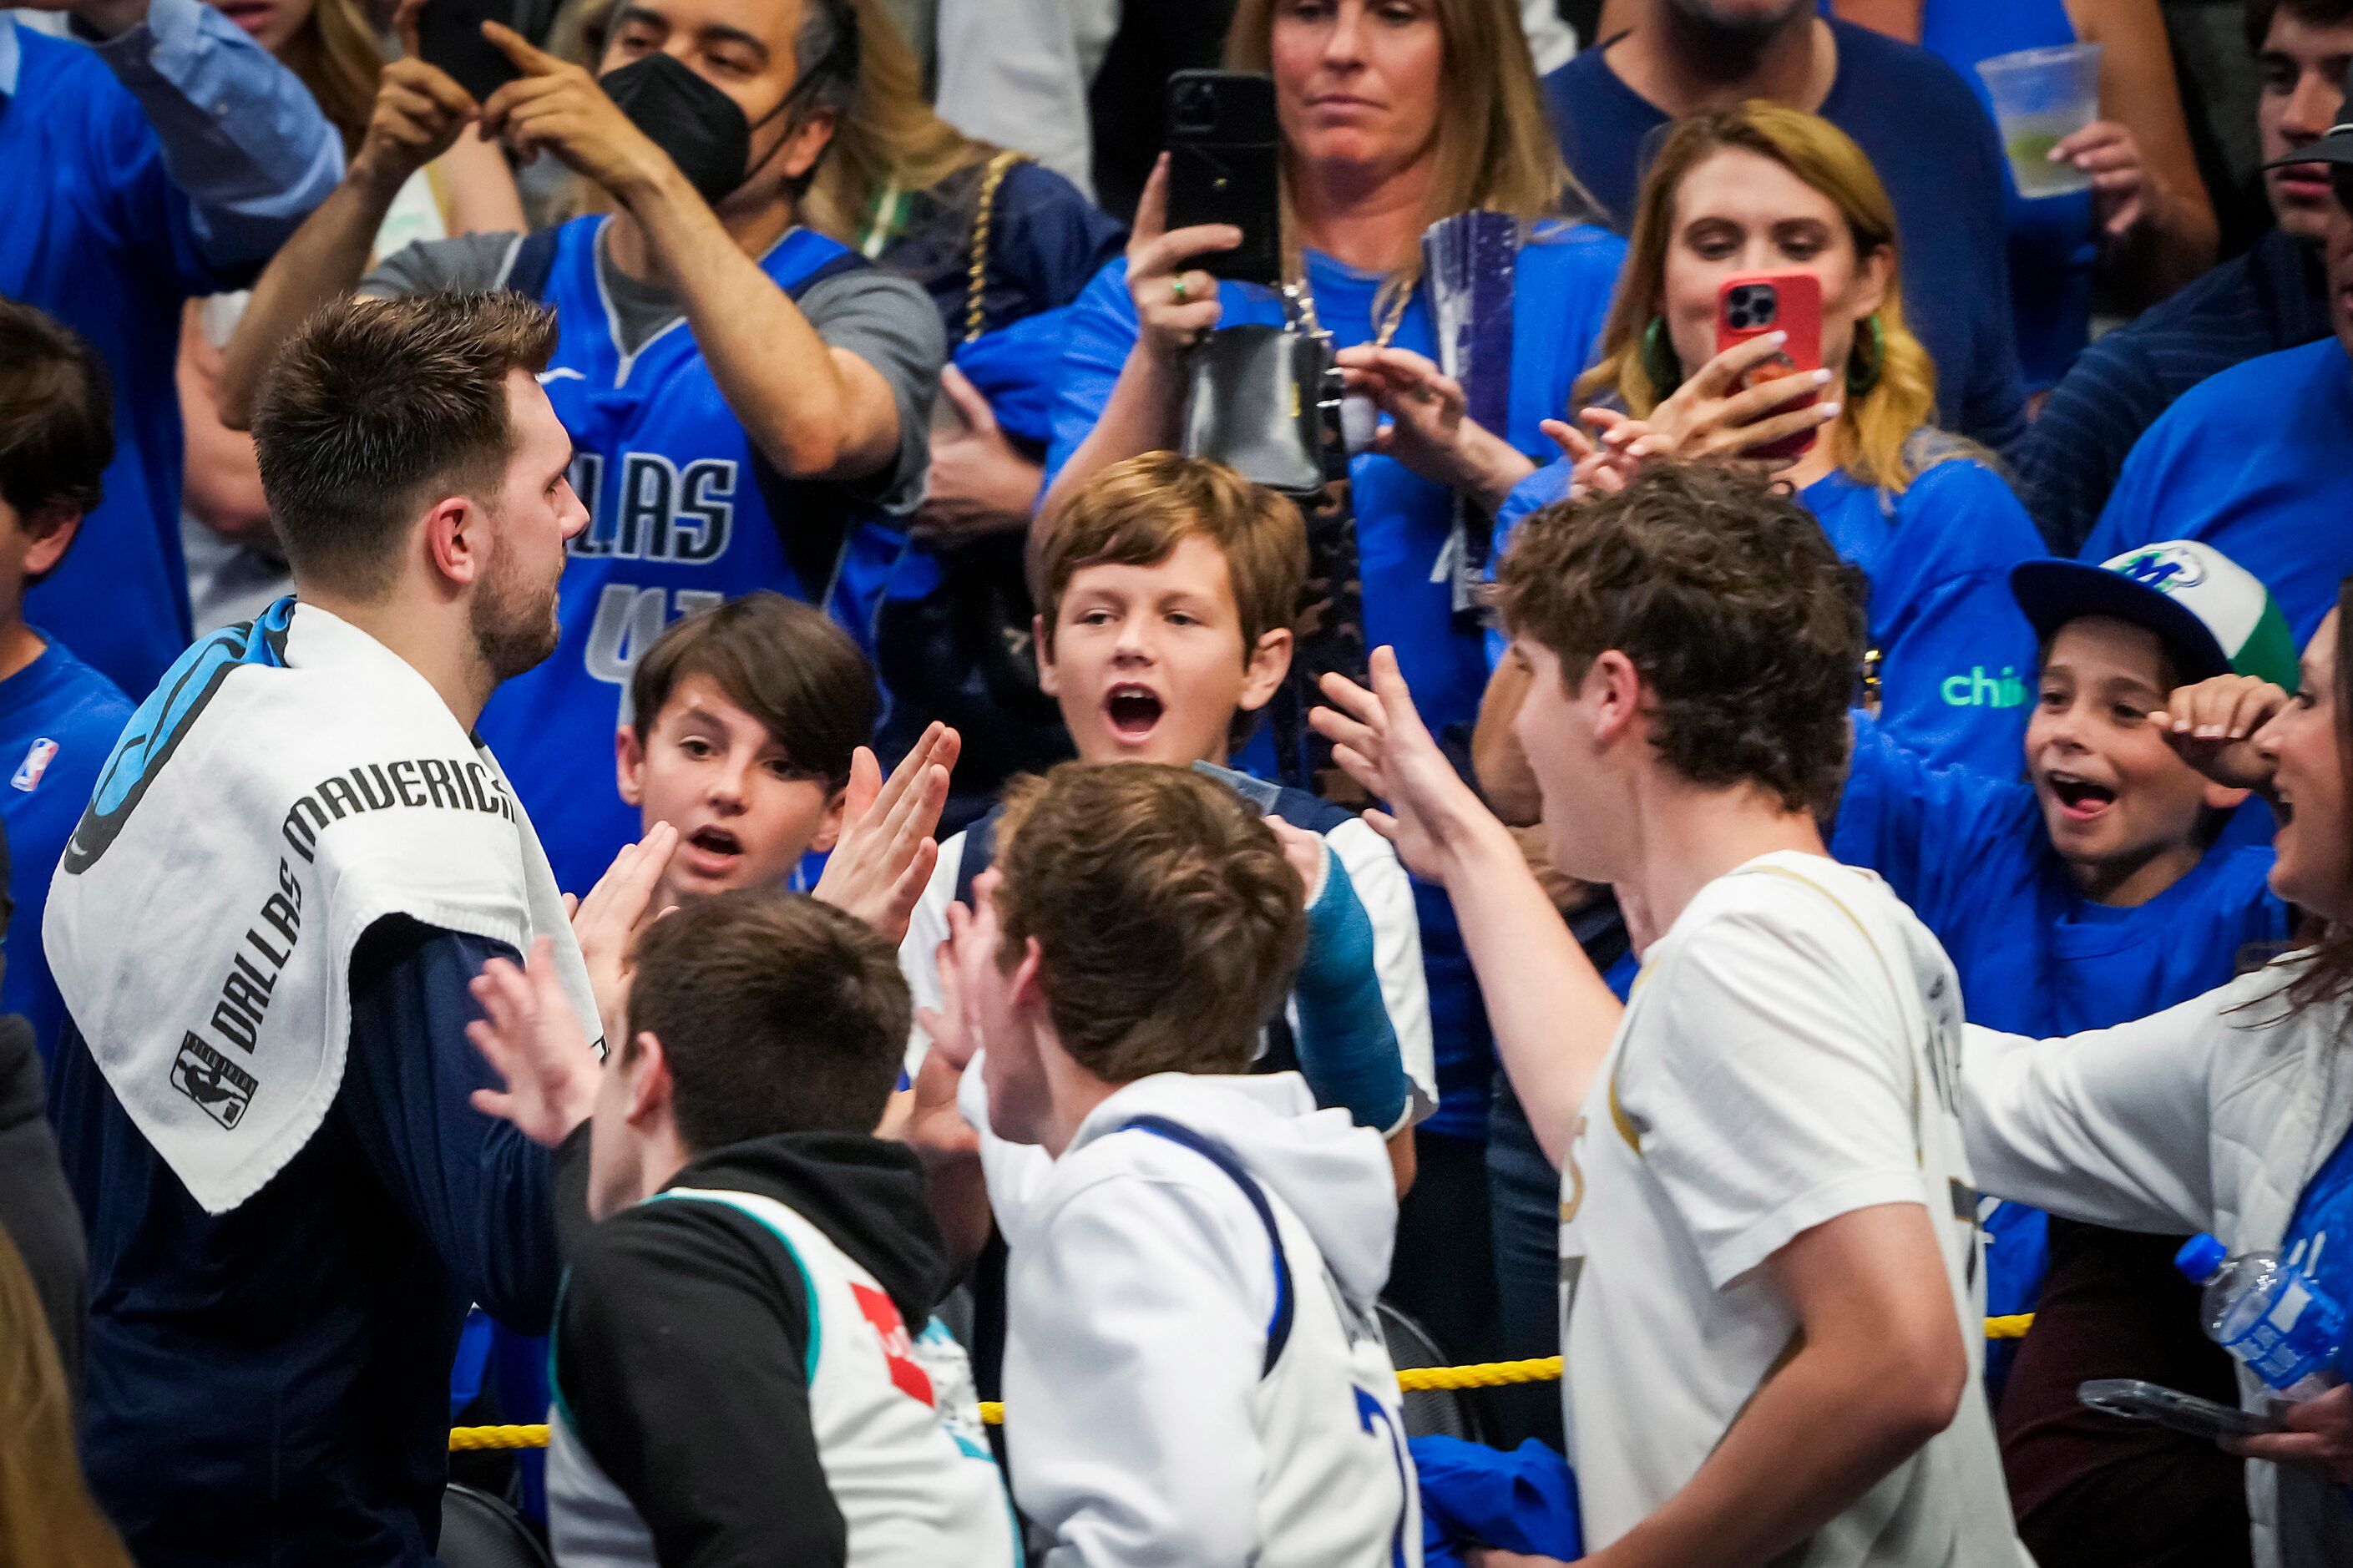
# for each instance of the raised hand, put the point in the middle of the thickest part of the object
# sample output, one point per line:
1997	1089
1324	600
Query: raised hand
1429	431
557	107
2213	723
606	923
1378	738
2124	187
1174	304
886	852
531	1037
1712	416
419	112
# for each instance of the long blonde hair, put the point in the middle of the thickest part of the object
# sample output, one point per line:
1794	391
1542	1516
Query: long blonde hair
335	55
45	1512
1879	424
887	139
1496	149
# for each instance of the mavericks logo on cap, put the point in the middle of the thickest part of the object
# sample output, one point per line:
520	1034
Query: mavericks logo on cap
2169	569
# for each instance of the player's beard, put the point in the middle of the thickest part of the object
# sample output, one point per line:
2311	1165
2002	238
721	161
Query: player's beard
512	618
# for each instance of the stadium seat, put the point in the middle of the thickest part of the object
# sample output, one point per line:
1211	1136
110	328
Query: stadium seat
478	1531
1430	1412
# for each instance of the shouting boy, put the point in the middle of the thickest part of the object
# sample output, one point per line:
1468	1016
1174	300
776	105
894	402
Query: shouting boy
1168	587
1194	1370
1771	1287
747	738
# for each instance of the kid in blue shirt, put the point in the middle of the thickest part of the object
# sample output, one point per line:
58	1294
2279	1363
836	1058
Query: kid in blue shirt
2091	894
58	718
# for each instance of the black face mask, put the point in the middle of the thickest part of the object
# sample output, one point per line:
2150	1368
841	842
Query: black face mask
698	125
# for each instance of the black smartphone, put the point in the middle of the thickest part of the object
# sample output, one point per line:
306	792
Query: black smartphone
450	35
2171	1409
1223	157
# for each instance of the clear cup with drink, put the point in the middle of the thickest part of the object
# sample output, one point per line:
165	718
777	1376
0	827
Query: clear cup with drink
2041	97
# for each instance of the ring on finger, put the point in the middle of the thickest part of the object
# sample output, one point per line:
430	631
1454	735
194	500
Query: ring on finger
1176	290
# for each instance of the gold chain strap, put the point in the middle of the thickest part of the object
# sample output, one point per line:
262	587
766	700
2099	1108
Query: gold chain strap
976	275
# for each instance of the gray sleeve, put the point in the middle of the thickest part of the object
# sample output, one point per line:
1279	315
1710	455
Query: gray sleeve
890	324
467	262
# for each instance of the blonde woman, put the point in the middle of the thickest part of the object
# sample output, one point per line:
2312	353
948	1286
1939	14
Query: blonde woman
1758	187
332	46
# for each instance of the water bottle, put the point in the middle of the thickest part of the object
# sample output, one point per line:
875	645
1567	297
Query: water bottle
2273	1317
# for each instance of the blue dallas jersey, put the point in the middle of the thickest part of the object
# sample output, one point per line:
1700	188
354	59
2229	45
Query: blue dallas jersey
683	514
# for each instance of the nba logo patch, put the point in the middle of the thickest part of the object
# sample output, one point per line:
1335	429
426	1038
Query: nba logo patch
37	762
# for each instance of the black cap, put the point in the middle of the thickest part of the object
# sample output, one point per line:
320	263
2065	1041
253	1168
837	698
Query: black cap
2336	147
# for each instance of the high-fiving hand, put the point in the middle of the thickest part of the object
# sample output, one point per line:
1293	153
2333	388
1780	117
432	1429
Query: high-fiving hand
532	1038
606	923
886	852
1377	736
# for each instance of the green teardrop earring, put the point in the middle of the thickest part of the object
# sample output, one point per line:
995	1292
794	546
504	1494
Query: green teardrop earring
1664	370
1867	357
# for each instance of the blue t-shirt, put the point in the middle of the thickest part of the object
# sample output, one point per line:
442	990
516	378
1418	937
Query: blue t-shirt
2253	462
2052	239
58	721
1937	156
1956	659
2325	1208
1405	523
683	514
111	254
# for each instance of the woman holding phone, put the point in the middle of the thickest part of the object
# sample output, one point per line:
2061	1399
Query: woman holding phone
1760	189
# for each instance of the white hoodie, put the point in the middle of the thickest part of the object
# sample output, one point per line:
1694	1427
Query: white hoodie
1142	1423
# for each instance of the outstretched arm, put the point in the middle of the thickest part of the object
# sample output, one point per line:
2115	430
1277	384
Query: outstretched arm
1552	1014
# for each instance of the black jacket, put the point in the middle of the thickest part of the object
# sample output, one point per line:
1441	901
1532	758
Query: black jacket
682	1337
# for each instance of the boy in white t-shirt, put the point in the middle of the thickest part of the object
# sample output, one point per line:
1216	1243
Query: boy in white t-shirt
1769	1262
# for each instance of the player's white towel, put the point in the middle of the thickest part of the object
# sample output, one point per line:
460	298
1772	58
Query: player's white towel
290	782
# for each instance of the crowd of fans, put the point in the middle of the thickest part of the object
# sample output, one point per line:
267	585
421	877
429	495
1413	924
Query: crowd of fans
663	780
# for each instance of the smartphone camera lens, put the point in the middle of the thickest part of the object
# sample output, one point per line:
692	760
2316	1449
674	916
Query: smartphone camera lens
1752	305
1196	107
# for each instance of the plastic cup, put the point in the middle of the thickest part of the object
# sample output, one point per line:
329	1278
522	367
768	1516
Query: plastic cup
2041	97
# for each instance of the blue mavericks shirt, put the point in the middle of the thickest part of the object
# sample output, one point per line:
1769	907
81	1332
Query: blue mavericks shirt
1957	660
97	235
58	721
2253	462
683	514
1969	853
1942	164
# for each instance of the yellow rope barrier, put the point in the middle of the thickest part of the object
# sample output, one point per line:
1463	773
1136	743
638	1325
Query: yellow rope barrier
1410	1380
463	1440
